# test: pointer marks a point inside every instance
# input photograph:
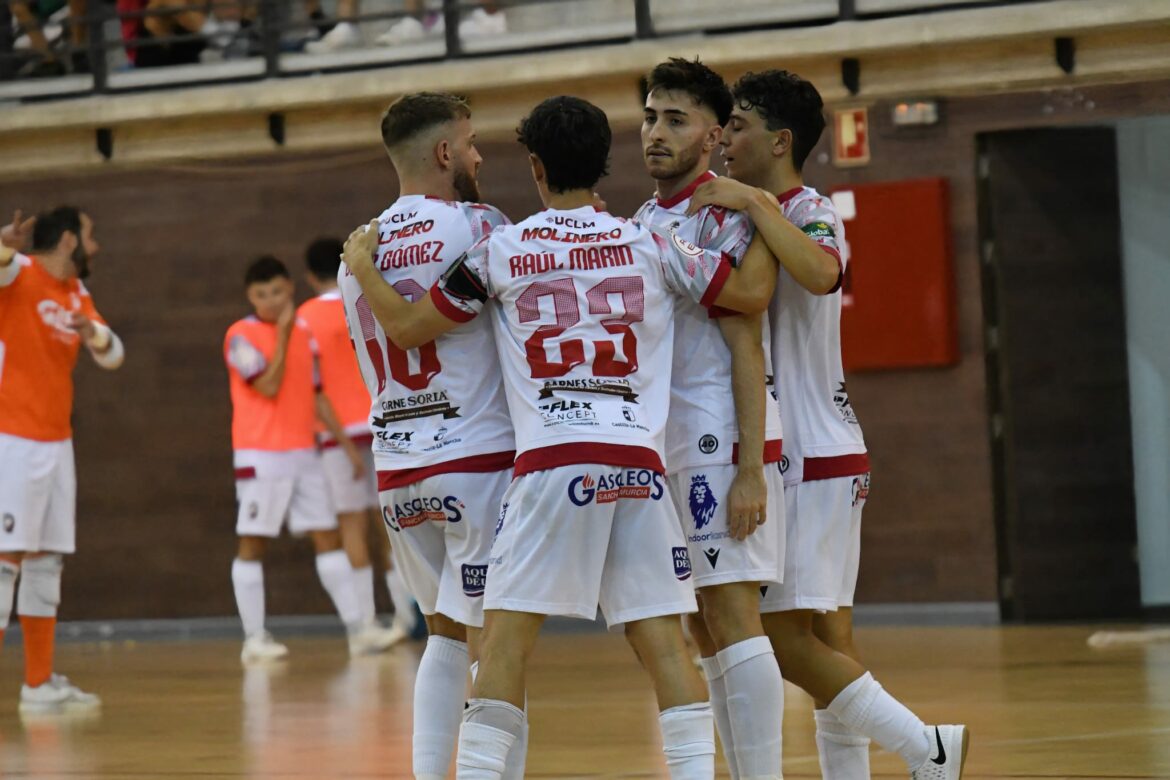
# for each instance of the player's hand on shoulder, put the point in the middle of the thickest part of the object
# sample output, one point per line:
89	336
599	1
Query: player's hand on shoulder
723	191
599	202
361	245
17	234
747	502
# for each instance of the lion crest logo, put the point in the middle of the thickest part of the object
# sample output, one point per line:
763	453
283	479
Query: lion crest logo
702	501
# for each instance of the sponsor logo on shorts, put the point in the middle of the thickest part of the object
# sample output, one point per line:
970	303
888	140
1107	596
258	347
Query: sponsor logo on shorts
860	489
9	522
708	444
408	514
474	579
712	555
253	510
607	488
500	519
682	563
784	464
701	501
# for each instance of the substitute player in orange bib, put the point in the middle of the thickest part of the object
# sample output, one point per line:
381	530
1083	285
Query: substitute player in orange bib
354	492
776	121
276	402
46	314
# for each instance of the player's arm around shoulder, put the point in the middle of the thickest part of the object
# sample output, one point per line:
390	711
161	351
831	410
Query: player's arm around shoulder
408	325
750	284
807	261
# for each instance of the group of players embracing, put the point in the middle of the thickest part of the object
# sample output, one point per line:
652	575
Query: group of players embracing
581	410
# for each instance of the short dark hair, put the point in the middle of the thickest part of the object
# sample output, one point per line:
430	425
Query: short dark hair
264	269
571	137
705	86
52	225
785	101
323	257
411	114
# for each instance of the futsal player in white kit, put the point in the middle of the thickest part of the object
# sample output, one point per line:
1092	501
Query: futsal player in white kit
776	121
718	442
583	329
443	442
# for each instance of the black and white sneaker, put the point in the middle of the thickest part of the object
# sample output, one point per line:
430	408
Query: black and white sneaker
948	753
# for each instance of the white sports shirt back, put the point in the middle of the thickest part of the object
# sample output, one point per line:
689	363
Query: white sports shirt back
443	403
823	436
703	428
584	330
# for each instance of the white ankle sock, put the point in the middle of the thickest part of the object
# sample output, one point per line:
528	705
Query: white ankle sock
248	584
755	706
401	598
490	728
363	585
518	755
717	687
439	688
867	709
843	752
336	576
688	740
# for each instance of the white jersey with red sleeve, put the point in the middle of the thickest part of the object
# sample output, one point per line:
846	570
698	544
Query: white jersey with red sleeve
439	408
703	428
823	435
584	330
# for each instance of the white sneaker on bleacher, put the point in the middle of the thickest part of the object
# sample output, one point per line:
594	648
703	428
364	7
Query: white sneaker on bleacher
344	35
480	23
409	29
55	695
948	753
262	647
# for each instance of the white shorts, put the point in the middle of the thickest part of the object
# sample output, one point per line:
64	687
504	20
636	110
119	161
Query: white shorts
38	495
700	496
346	493
266	502
440	537
824	545
576	537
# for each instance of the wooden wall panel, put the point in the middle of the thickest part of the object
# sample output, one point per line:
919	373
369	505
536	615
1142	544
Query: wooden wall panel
156	503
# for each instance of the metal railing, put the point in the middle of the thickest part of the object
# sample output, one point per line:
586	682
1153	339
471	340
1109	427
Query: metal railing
114	49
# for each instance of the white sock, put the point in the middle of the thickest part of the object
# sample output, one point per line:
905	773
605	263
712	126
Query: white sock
363	585
401	599
867	709
755	706
844	753
518	755
717	687
439	688
688	740
248	583
336	576
8	573
490	728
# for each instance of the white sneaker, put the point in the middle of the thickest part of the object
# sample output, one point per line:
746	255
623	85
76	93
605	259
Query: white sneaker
262	647
57	695
948	753
409	29
479	23
373	638
344	35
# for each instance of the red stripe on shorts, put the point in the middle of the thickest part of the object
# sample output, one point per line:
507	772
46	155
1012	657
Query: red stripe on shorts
838	466
475	464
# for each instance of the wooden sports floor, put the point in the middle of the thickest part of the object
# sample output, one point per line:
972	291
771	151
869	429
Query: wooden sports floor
1039	702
